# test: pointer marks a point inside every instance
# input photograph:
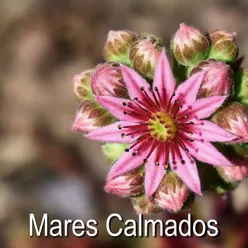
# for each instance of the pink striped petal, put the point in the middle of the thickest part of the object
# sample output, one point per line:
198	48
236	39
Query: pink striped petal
209	131
204	107
187	91
186	169
134	83
207	153
129	162
154	173
112	133
116	108
164	79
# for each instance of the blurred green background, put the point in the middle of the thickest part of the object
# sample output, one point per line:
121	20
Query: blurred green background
44	166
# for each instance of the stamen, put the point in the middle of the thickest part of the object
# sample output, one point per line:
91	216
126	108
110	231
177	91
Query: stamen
134	154
183	161
126	150
157	163
123	135
120	126
124	103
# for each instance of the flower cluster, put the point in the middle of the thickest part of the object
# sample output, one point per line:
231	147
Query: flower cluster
163	127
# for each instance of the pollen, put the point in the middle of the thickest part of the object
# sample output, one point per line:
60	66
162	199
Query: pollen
162	126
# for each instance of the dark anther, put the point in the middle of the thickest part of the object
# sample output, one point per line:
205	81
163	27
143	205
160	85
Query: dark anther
156	88
174	162
142	88
157	163
120	126
126	150
192	123
145	160
180	107
135	99
186	149
124	104
191	140
124	112
122	135
173	94
183	161
134	154
176	101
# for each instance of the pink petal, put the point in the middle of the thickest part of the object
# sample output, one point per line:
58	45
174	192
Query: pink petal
186	169
134	82
154	173
112	133
207	153
204	107
129	162
116	108
163	78
209	131
187	91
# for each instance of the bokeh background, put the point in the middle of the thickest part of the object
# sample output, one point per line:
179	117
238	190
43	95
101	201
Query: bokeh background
44	166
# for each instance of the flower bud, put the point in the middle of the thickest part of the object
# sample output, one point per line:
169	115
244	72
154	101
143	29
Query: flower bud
224	46
142	205
171	193
234	173
241	86
189	45
81	86
117	46
113	151
217	80
90	115
107	81
128	185
234	118
144	54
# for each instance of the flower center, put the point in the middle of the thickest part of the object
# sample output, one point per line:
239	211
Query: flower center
162	126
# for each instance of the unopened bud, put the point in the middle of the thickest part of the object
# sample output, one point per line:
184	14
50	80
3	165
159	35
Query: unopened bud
171	193
90	115
107	81
81	86
241	86
189	45
117	46
128	185
234	118
142	205
234	173
224	46
217	80
144	54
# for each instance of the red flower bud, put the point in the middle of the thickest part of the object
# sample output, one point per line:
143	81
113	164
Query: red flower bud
189	45
234	118
217	80
171	194
128	185
107	81
117	46
144	54
81	86
224	46
90	115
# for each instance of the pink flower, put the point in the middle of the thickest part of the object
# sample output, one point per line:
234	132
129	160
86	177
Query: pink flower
163	125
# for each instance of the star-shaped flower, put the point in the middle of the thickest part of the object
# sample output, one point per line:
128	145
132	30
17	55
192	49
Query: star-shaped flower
165	126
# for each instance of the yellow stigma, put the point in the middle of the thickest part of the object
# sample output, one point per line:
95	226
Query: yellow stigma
162	126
